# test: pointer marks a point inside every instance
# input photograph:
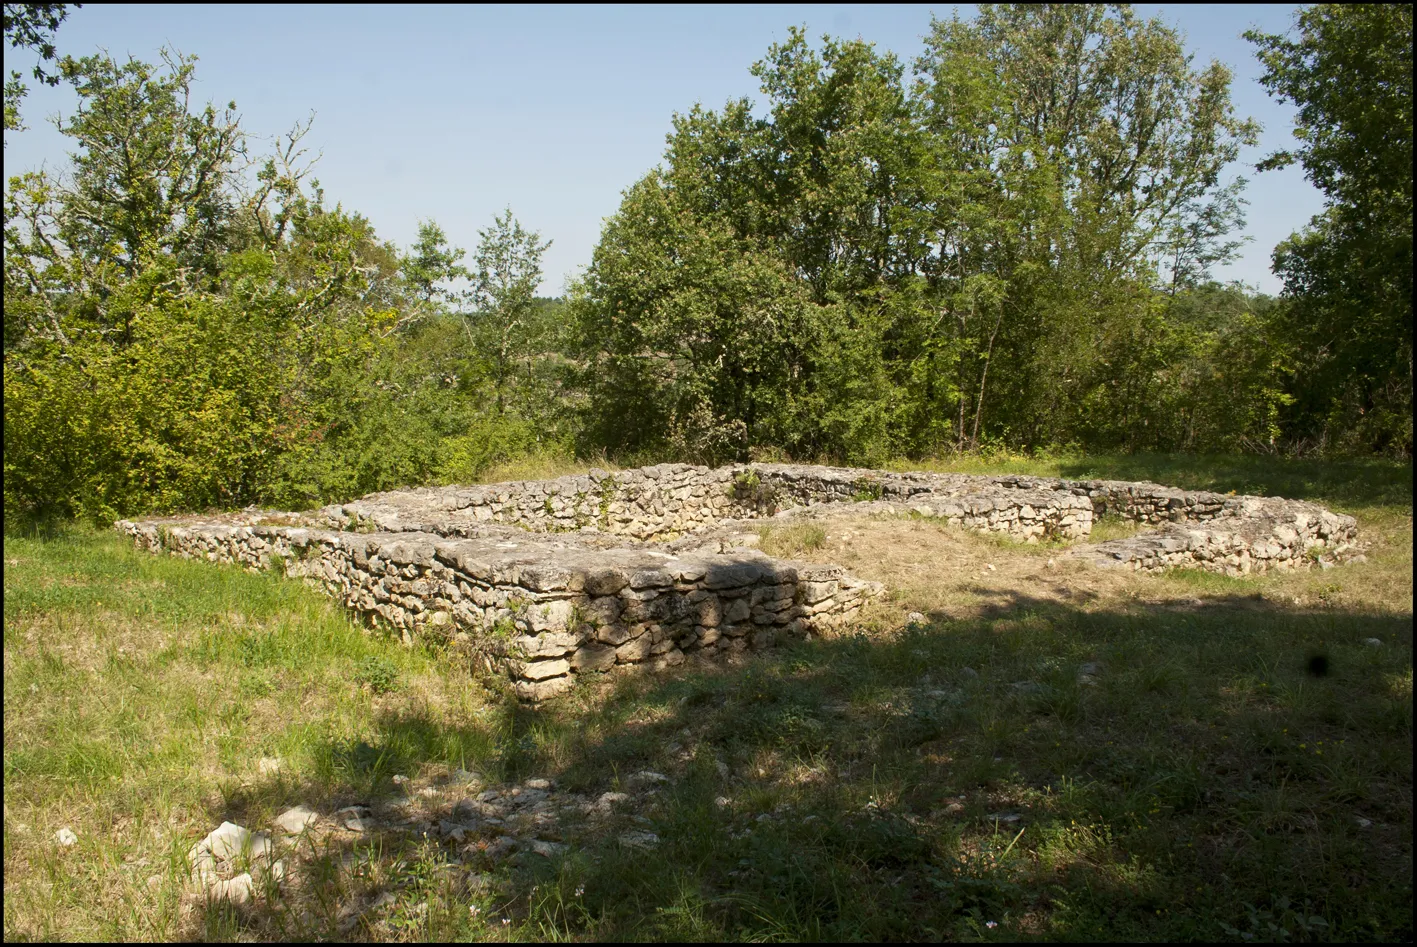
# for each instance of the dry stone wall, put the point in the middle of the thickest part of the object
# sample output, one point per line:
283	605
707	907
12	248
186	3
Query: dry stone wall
649	568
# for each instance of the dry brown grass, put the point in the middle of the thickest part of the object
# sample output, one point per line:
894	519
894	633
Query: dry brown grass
952	573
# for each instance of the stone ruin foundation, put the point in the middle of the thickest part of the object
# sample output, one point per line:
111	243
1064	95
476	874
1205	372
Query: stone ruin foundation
648	568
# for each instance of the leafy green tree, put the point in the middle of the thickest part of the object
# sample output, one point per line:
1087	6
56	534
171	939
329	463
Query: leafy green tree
151	183
1348	276
176	339
30	26
506	272
431	264
1093	156
972	254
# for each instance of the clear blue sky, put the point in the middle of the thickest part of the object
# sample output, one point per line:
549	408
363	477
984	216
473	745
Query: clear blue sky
454	112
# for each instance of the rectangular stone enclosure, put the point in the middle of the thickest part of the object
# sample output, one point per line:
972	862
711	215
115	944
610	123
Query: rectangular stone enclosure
648	568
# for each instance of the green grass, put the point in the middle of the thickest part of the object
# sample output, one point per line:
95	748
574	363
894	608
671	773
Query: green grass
955	778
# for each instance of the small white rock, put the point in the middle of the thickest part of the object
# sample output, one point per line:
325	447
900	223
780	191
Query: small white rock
239	890
609	799
639	839
462	777
230	841
1373	642
268	766
296	820
65	837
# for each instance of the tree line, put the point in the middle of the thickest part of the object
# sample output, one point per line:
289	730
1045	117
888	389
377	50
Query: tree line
1007	242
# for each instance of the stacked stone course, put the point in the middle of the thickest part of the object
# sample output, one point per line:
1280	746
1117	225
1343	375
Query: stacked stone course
649	568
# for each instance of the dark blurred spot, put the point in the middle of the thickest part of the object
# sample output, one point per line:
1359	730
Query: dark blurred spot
1318	665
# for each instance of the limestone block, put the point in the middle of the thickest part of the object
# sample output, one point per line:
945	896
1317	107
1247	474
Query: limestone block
550	616
606	581
613	634
540	670
604	610
737	611
734	575
551	645
708	612
633	651
543	689
593	657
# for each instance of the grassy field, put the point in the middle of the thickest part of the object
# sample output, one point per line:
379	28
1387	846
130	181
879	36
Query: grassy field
1043	751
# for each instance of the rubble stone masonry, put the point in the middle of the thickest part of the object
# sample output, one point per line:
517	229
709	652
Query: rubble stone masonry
648	568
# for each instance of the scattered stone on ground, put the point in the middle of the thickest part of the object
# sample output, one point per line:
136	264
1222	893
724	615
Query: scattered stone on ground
237	853
548	849
295	820
66	837
1373	642
608	800
638	839
646	778
268	766
357	818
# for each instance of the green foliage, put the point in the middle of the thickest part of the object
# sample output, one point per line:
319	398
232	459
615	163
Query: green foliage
749	490
506	271
377	673
892	260
881	267
30	26
433	262
866	489
178	339
1348	276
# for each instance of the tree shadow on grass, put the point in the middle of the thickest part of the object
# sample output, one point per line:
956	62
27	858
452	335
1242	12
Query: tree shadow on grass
1044	770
